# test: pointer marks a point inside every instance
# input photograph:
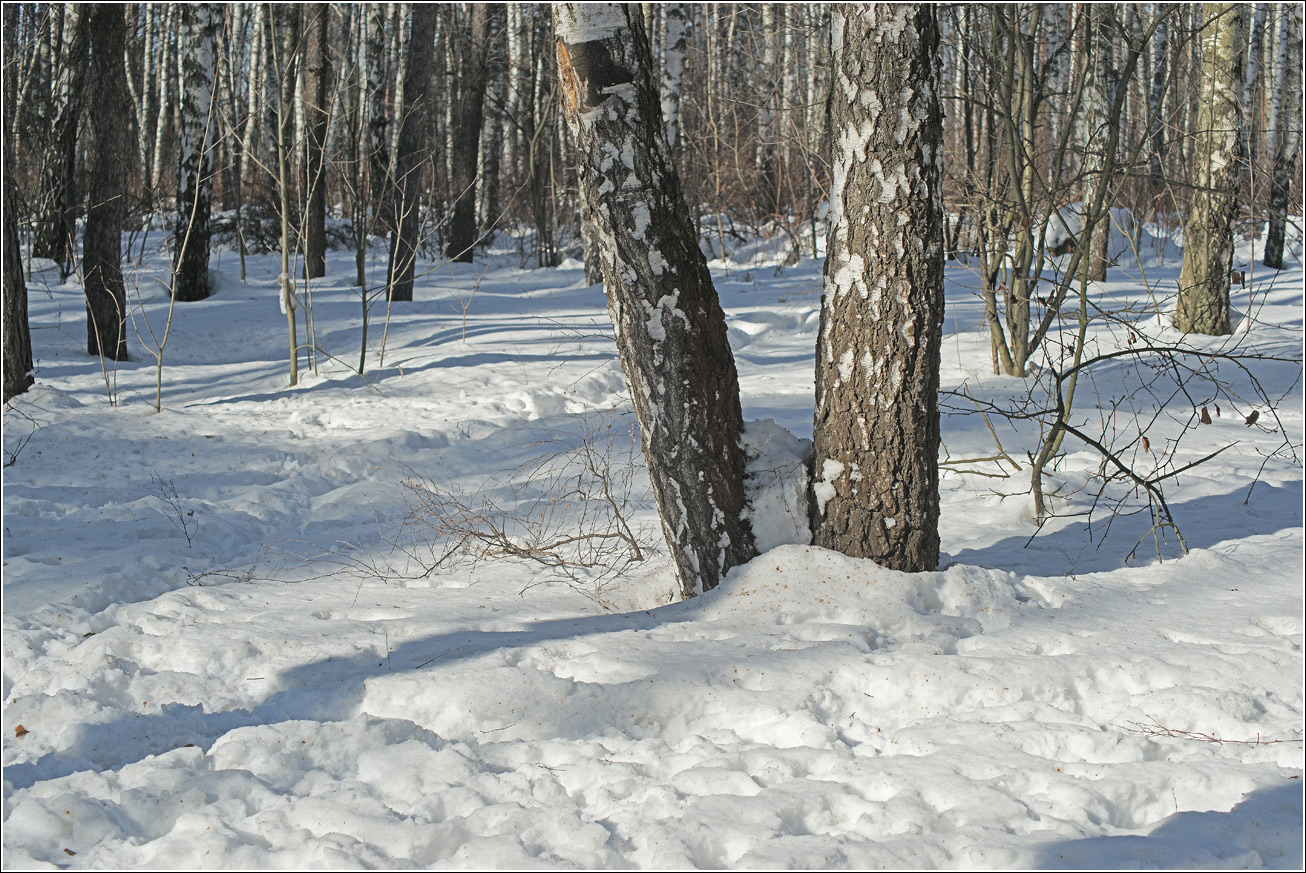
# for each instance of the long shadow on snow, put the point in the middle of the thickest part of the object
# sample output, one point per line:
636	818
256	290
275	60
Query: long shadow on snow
331	689
1204	522
1267	822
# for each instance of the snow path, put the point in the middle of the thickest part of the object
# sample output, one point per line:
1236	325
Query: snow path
814	711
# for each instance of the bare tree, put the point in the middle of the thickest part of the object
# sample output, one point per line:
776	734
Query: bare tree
200	24
1203	305
876	431
111	156
473	65
670	329
409	153
318	94
1285	141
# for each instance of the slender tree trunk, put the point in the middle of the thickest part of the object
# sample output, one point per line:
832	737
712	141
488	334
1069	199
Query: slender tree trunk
1285	142
876	432
679	33
106	298
410	154
56	228
200	24
670	328
473	73
1098	21
1203	305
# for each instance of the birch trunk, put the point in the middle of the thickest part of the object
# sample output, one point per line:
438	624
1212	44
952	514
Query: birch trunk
1203	305
876	429
198	63
1285	142
410	154
669	325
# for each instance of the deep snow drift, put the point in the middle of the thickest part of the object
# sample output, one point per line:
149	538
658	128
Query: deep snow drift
221	649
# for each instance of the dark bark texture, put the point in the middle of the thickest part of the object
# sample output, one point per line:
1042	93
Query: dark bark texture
670	329
410	153
17	334
55	228
111	156
318	93
474	71
876	432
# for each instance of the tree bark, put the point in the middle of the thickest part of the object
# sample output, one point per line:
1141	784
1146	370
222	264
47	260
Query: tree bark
410	153
1203	305
111	155
198	63
55	227
1285	143
670	329
17	334
473	73
876	430
318	94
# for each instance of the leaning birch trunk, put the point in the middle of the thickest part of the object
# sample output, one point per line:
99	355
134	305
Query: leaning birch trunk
106	297
1203	305
876	429
198	62
670	329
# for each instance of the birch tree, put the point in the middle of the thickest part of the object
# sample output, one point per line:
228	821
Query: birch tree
876	429
55	226
668	322
200	23
1285	134
410	153
1203	305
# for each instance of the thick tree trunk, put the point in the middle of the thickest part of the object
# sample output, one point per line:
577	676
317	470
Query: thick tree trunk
1285	142
669	325
876	432
17	334
111	155
473	74
199	121
1203	305
411	153
318	94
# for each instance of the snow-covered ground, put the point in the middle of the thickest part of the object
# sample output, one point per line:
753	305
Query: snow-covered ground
217	653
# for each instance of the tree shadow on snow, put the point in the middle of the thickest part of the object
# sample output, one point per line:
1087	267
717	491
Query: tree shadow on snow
1262	831
1083	547
326	690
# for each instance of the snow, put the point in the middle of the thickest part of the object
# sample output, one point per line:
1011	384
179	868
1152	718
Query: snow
287	689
